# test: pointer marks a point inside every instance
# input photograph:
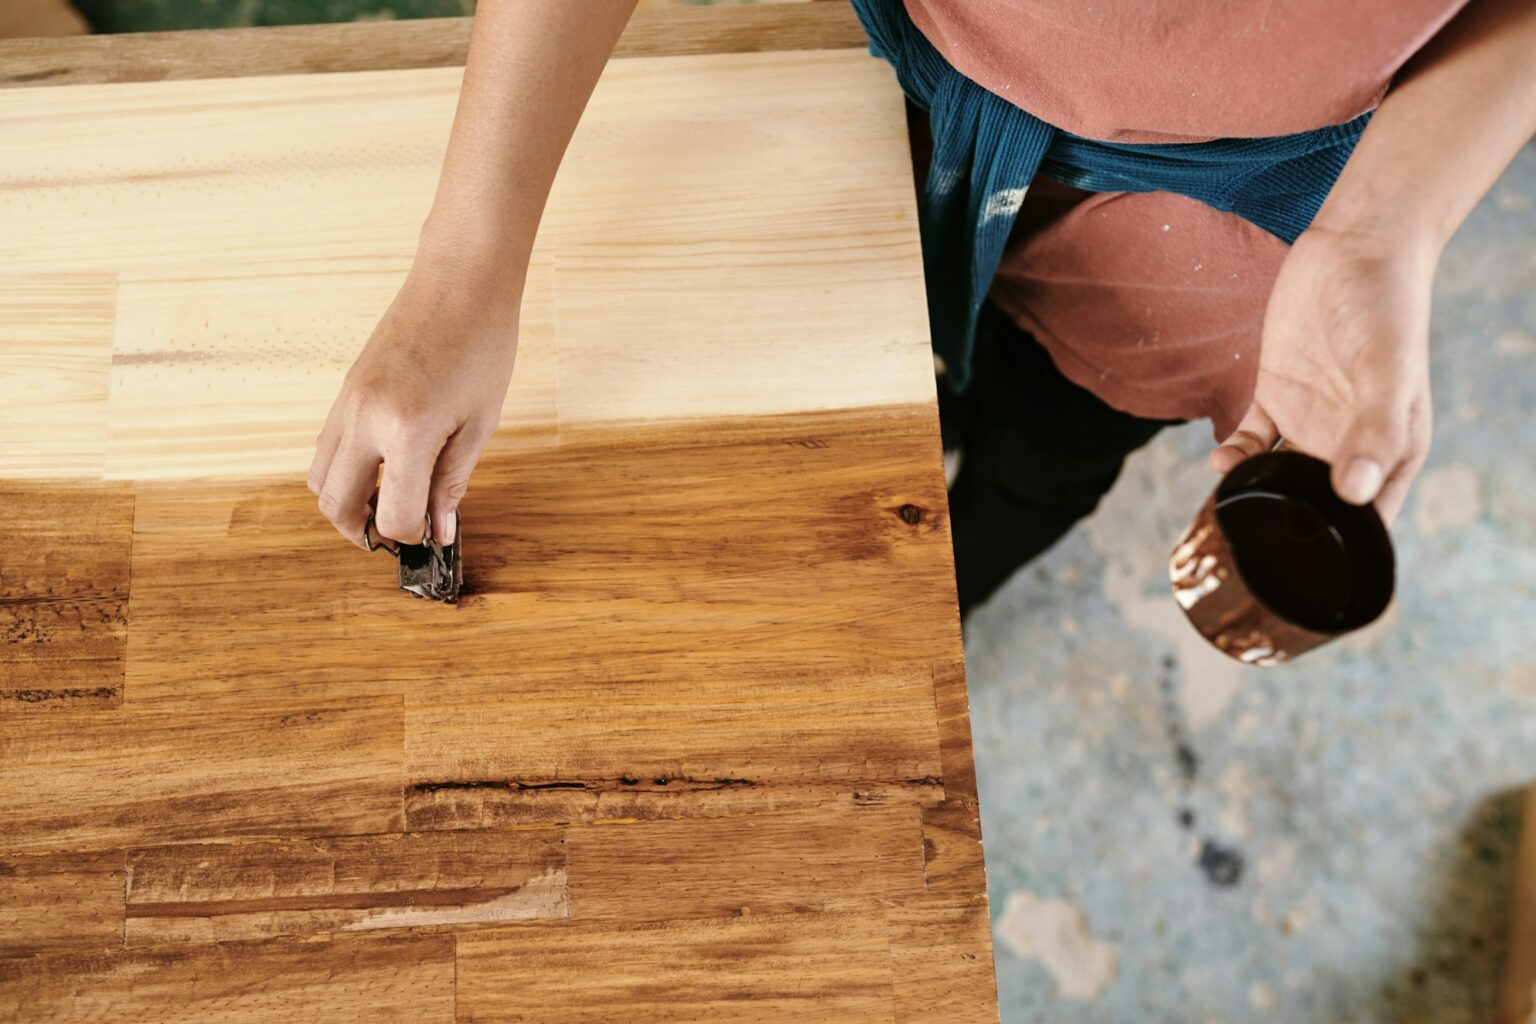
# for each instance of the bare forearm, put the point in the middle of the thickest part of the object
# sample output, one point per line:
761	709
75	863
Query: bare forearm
1454	118
1344	370
532	66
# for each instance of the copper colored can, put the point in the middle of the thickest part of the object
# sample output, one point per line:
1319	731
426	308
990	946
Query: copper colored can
1276	563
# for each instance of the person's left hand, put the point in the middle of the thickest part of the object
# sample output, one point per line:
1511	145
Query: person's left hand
1344	368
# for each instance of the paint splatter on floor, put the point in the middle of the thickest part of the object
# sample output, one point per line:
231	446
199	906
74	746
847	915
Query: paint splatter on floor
1055	933
1447	497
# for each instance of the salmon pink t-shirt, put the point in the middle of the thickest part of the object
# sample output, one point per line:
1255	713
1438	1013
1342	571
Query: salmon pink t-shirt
1153	301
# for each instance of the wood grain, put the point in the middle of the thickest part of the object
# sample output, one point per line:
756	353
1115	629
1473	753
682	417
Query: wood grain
694	745
415	43
338	980
102	779
952	829
575	553
230	336
226	891
952	856
607	760
941	961
832	967
756	864
255	243
60	901
954	720
64	578
56	351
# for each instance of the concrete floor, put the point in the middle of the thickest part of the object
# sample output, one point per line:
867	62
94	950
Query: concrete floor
1335	841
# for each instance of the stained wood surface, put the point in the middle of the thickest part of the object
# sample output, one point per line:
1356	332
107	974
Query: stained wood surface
743	970
693	746
217	892
64	593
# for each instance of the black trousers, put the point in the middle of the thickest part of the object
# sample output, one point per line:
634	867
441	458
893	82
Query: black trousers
1038	452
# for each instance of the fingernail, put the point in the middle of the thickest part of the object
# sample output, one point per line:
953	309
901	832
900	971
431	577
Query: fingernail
450	527
1362	481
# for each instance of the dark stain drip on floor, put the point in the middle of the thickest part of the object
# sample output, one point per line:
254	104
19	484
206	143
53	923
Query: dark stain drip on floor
1173	722
1189	761
1223	866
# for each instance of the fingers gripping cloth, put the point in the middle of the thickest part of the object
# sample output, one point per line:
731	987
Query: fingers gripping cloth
986	151
429	569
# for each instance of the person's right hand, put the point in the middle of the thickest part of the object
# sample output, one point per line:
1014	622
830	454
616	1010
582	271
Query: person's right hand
423	398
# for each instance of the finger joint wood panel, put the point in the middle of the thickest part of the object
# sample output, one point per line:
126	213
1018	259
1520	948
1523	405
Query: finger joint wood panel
693	745
64	592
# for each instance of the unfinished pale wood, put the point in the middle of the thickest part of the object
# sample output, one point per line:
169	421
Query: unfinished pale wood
410	43
226	891
331	980
55	366
202	339
756	864
60	901
832	967
708	252
94	779
64	579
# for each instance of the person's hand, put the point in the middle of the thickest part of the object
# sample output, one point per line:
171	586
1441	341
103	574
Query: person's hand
423	398
1344	368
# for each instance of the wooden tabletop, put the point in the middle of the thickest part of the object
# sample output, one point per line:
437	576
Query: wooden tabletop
695	744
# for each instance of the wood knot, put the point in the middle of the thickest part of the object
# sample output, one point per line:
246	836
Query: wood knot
910	514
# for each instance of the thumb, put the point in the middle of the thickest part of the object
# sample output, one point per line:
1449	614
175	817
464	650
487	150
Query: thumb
1375	445
1255	434
450	479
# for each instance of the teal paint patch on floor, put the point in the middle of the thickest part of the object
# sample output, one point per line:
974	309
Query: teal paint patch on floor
1172	837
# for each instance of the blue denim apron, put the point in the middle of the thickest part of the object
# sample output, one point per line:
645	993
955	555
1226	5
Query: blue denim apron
986	151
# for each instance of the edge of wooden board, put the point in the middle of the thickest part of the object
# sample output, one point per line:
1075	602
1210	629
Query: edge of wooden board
392	45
